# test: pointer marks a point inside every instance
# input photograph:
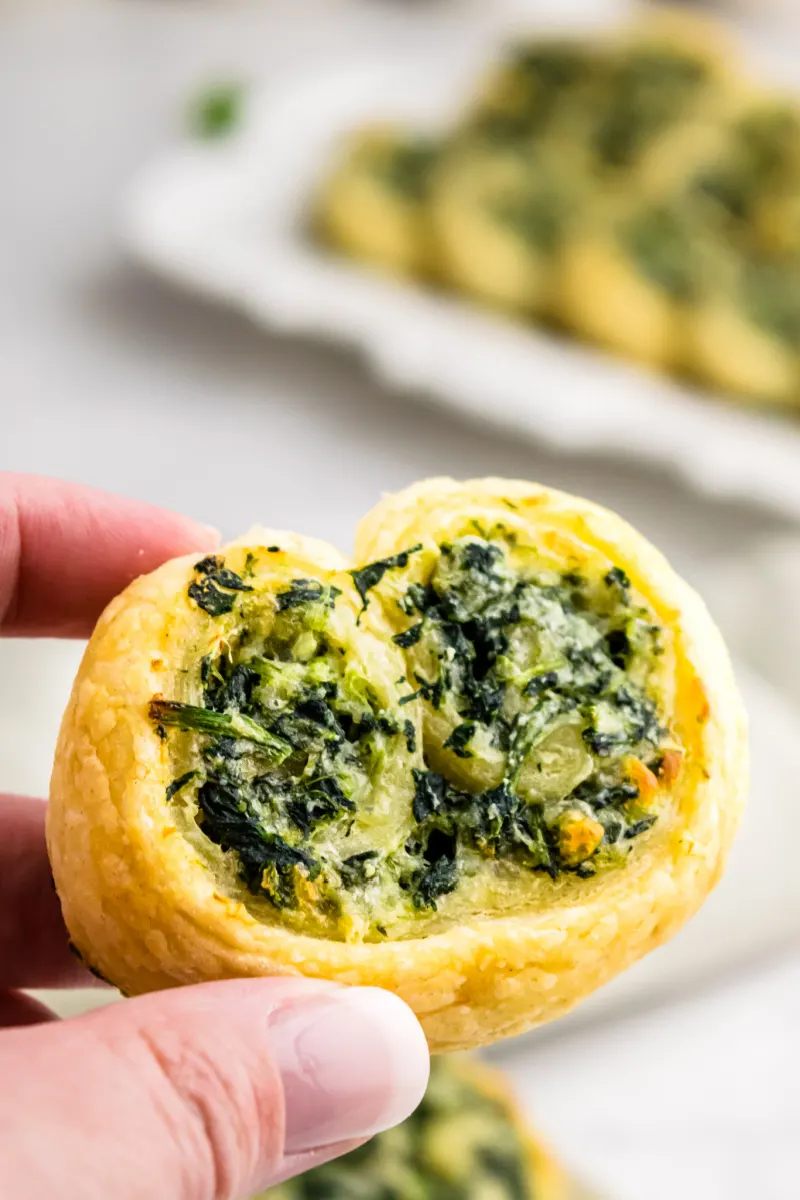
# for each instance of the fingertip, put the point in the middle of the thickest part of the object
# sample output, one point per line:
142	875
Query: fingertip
212	534
352	1063
66	550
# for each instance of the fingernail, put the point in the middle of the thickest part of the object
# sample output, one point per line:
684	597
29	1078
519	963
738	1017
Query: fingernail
212	533
352	1063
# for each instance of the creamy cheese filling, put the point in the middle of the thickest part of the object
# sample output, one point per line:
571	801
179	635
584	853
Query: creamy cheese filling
544	751
547	744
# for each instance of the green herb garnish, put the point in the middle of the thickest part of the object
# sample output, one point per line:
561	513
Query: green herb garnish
216	112
190	717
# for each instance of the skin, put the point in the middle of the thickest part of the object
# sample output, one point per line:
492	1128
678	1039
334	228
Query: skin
177	1095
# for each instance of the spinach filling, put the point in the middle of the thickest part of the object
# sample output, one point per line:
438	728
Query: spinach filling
550	761
762	158
543	77
537	93
288	742
647	94
458	1145
406	167
771	298
542	679
537	218
664	247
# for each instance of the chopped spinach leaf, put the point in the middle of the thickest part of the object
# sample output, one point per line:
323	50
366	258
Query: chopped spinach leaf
366	578
300	593
321	801
179	783
410	636
429	794
406	167
460	738
233	724
430	691
616	577
212	591
537	218
439	873
267	862
662	244
771	298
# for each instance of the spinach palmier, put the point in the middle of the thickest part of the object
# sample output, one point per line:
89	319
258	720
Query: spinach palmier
468	1140
498	217
670	79
583	737
373	204
633	274
745	336
744	191
537	91
486	767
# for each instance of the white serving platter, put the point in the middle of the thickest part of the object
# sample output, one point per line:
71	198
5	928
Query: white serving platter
225	219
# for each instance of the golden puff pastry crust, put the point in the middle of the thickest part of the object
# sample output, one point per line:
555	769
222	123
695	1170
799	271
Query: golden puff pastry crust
264	788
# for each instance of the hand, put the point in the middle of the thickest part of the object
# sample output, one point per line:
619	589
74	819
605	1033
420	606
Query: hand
203	1093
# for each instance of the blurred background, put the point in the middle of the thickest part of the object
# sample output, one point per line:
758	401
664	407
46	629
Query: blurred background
145	180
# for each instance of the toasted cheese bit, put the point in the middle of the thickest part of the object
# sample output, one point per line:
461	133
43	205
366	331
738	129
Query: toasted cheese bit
645	780
671	763
579	837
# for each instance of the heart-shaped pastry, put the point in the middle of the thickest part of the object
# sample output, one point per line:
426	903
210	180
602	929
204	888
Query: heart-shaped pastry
487	767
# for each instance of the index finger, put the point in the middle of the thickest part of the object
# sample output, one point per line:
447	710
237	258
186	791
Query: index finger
34	943
67	549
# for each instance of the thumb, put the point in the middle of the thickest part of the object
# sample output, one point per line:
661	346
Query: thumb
204	1093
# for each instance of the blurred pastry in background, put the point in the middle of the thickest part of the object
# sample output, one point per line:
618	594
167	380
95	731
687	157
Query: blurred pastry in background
778	224
374	205
468	1140
745	336
630	277
756	163
638	190
668	79
537	92
498	220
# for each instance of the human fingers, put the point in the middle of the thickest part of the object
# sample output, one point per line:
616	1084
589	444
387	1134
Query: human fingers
17	1009
34	943
66	550
211	1092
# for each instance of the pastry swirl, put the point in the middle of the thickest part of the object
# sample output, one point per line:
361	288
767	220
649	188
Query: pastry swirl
488	766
